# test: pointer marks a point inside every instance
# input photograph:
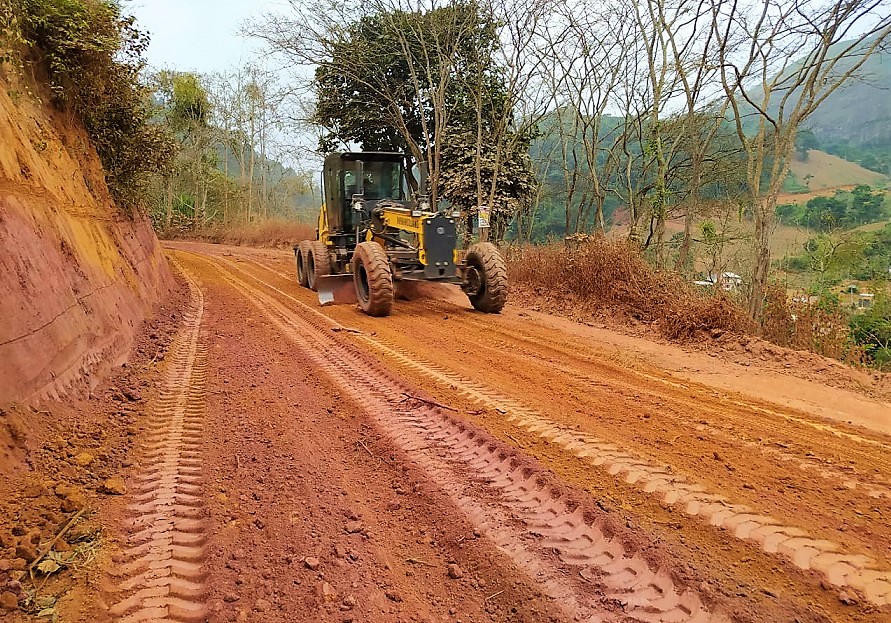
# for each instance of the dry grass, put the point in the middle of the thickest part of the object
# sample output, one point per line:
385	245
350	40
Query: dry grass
611	275
830	172
272	233
807	326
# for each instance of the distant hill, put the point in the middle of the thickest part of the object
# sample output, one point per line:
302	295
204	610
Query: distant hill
855	121
821	171
860	111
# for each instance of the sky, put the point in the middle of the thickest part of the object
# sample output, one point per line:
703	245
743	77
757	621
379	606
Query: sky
199	35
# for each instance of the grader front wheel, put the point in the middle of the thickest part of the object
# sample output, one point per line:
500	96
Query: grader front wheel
485	279
318	263
300	253
373	279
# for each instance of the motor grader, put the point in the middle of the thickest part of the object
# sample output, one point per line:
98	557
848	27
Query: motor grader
373	231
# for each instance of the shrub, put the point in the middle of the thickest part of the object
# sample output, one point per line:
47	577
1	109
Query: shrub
611	274
872	330
820	326
276	233
92	56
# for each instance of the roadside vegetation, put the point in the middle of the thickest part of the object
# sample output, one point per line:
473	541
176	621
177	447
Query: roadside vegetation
275	233
91	55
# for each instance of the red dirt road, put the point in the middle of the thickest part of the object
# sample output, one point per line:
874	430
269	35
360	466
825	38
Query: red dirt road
298	463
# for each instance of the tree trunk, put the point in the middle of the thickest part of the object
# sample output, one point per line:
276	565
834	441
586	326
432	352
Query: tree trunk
659	236
687	243
763	229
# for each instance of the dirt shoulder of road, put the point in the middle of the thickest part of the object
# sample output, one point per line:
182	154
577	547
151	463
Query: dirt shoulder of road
62	464
736	363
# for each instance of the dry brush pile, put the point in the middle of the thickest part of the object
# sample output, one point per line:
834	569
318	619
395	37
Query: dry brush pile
271	233
611	276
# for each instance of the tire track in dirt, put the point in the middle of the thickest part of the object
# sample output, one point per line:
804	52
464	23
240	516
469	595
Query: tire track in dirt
874	487
745	408
161	571
743	522
456	456
839	568
492	325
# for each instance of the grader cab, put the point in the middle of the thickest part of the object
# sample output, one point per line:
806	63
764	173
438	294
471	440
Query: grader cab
373	230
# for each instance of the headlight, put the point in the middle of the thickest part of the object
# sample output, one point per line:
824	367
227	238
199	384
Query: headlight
416	213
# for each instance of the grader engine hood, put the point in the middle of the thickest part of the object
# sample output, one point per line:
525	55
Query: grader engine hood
439	247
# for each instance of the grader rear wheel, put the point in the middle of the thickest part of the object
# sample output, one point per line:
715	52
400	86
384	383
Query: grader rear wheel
486	278
300	254
373	279
318	263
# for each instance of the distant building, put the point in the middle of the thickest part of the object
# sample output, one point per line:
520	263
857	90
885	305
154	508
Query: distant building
726	281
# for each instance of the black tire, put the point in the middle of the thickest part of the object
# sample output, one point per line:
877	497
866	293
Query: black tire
373	278
300	253
486	280
318	262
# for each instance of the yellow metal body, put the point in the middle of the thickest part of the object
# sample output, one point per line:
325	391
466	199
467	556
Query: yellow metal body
323	226
400	219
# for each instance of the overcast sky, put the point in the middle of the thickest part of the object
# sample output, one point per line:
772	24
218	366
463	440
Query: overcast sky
198	35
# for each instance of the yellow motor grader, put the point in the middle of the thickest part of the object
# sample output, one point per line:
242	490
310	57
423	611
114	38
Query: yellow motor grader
374	231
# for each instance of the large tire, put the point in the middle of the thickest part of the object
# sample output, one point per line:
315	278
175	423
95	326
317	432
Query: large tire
373	278
486	278
300	254
318	262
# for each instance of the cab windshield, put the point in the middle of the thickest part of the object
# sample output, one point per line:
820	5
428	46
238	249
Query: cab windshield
383	180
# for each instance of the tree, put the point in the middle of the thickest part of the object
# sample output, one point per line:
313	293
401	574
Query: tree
872	330
384	71
390	76
771	95
515	183
866	205
825	213
805	140
186	110
587	62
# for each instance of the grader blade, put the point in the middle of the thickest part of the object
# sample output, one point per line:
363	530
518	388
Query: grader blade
336	290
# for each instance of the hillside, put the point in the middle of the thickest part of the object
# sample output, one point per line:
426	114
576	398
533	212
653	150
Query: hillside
858	114
822	171
854	122
78	276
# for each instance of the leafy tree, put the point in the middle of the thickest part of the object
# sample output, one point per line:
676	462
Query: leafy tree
825	213
514	188
93	55
394	79
866	205
185	107
789	213
872	330
390	76
805	140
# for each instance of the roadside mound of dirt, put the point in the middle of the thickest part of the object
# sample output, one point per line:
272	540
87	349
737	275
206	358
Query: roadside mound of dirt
78	276
731	346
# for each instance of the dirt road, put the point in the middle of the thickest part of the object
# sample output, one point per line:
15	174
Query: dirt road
313	464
